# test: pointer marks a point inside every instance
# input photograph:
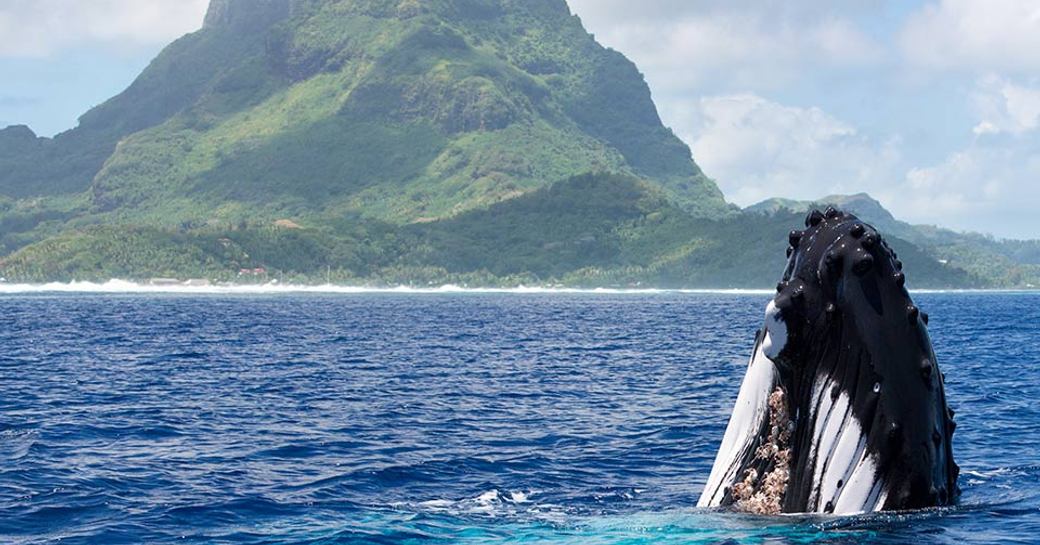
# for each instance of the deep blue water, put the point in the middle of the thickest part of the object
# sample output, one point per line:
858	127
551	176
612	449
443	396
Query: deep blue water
464	418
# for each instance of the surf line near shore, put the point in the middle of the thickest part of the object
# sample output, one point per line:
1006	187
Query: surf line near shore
116	286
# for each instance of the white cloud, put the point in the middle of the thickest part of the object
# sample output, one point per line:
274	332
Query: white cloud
991	35
681	45
982	188
757	149
1007	107
36	28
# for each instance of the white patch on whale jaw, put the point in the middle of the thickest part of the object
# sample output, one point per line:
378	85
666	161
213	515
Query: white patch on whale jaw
844	474
775	338
750	412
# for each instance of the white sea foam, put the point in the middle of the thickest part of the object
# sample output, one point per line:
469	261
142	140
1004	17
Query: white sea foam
116	286
493	502
488	497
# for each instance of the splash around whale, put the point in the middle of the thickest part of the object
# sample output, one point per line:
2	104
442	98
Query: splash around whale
843	408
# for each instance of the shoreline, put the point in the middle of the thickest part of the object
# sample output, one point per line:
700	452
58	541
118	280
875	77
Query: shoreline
117	287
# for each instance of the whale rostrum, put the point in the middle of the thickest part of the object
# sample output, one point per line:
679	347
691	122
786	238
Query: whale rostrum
843	408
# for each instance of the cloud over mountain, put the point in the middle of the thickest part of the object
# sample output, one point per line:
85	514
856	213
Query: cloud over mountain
35	28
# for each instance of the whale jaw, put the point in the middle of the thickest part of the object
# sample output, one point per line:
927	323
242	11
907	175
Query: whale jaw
842	409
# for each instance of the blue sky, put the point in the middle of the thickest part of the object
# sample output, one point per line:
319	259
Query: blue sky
931	107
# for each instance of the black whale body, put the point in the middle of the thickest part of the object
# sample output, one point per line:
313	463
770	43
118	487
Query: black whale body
843	409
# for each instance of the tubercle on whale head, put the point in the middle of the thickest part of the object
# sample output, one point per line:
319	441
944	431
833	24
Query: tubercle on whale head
800	301
842	331
835	251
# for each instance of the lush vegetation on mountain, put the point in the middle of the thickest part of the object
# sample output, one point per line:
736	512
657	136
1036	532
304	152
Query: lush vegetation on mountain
397	110
590	230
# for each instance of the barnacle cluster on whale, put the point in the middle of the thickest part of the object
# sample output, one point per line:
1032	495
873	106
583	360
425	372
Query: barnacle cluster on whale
864	424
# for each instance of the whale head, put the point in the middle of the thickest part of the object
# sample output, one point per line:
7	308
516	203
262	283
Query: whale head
842	409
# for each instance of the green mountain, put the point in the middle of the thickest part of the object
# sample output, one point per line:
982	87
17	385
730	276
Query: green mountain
482	142
400	110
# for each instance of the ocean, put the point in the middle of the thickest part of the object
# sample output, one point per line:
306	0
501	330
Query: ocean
447	417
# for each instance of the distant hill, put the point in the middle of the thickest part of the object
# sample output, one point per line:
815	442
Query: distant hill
481	142
865	206
996	263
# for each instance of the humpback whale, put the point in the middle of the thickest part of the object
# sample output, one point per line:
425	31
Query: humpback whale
843	408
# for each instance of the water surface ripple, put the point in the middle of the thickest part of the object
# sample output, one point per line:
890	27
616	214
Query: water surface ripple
447	418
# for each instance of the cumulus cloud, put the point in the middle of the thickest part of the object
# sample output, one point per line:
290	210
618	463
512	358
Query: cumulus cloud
757	149
1001	35
984	188
681	45
37	28
1006	107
